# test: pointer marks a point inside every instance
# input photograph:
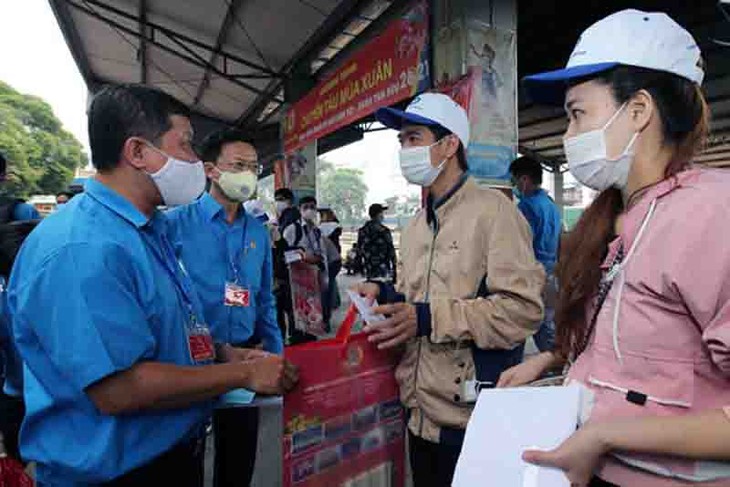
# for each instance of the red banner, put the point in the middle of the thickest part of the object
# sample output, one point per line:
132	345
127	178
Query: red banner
344	424
391	67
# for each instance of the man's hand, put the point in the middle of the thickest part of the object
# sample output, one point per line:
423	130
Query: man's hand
271	375
368	290
400	326
228	353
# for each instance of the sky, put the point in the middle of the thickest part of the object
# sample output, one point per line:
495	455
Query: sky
36	61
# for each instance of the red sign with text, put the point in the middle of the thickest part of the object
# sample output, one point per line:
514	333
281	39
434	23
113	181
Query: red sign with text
391	67
343	423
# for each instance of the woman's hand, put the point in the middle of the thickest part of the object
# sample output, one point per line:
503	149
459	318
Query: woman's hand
579	456
527	371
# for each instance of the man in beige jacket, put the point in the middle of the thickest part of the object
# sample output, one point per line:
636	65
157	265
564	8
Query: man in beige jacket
469	287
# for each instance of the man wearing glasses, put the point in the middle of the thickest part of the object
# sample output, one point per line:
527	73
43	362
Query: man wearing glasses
227	253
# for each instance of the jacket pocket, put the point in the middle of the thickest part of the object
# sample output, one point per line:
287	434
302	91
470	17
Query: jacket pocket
640	386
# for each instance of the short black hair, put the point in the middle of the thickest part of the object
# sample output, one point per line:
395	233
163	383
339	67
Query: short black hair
284	193
210	149
307	199
118	112
527	166
439	132
67	194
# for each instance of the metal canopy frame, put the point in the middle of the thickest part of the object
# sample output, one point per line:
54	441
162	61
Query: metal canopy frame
212	58
149	32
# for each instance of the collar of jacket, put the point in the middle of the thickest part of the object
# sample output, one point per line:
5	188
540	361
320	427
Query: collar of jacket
434	204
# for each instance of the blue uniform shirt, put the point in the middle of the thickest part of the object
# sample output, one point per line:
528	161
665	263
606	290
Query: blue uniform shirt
215	252
25	211
543	216
90	296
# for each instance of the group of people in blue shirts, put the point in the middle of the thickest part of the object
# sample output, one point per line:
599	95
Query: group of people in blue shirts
131	322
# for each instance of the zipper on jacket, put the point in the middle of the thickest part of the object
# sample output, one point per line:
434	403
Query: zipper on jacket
420	339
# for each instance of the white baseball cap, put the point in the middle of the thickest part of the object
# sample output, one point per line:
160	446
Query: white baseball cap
630	37
429	109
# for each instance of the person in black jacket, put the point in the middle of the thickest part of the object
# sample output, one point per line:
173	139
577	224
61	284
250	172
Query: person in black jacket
287	214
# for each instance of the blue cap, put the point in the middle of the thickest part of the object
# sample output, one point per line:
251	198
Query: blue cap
429	109
394	118
550	87
648	40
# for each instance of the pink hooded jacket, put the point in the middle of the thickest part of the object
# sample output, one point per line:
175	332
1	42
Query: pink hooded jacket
661	345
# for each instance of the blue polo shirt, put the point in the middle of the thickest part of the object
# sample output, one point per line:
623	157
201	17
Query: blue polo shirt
215	252
90	295
544	218
25	211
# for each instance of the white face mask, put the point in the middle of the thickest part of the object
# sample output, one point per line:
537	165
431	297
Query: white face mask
588	159
179	182
415	163
281	206
310	215
238	186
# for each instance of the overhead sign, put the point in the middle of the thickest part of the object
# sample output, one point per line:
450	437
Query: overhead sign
391	67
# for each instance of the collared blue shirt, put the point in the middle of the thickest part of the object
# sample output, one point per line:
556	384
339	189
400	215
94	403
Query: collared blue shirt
543	216
215	252
90	297
25	211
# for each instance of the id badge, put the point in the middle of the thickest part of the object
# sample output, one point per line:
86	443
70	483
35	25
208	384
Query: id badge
200	343
237	296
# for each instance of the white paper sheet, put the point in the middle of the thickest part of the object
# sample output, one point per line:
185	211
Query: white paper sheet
365	309
504	424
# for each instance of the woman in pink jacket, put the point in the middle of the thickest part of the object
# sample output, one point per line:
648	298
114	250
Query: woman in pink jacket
644	307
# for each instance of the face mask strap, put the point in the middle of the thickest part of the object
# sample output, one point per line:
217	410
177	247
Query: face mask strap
615	115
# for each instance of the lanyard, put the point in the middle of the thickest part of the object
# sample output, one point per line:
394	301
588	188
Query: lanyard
165	255
237	253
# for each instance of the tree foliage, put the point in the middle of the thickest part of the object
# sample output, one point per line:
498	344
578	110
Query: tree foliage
344	191
40	154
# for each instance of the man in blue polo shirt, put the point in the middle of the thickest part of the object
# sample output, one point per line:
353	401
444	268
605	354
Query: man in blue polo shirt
543	216
227	253
118	362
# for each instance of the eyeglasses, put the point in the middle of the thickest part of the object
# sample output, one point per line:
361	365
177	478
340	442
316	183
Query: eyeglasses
240	166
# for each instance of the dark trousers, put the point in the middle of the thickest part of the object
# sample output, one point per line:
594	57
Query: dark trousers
236	436
12	411
596	482
432	464
285	316
182	466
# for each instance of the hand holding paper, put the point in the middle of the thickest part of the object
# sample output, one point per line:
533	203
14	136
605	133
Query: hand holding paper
364	308
578	456
505	423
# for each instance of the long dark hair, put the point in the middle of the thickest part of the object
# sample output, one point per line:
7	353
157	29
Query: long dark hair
685	124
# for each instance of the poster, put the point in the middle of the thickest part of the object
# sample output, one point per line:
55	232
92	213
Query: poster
297	170
477	67
491	62
306	298
343	423
391	67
